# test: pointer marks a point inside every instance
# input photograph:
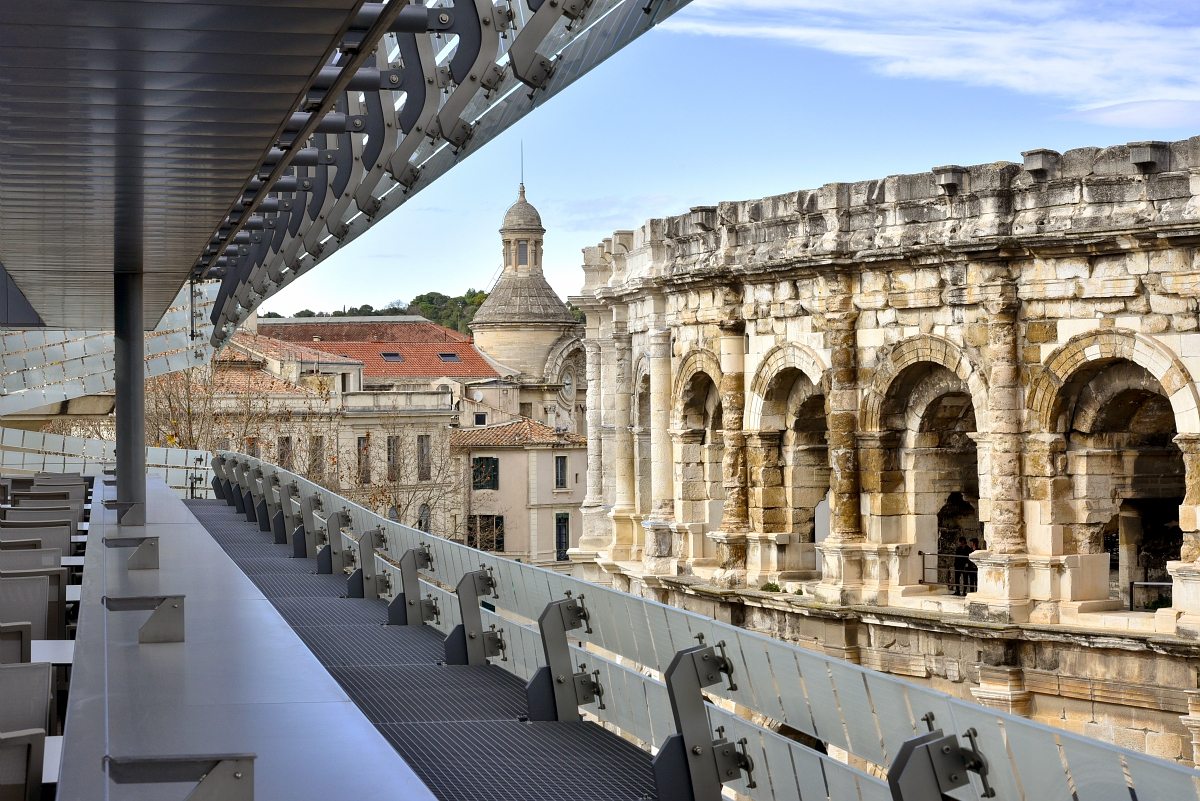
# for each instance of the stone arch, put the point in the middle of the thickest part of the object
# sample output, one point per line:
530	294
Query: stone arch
567	348
790	355
895	359
694	362
1046	401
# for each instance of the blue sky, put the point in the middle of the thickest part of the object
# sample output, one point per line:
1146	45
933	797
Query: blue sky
736	99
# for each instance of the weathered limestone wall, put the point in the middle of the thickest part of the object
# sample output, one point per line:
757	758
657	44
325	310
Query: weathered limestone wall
1003	351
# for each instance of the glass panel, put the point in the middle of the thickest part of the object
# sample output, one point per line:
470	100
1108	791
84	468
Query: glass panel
792	694
990	734
821	701
1095	770
1152	779
753	675
891	710
1039	769
857	712
778	767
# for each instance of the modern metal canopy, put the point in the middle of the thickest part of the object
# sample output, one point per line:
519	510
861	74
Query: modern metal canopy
127	129
250	139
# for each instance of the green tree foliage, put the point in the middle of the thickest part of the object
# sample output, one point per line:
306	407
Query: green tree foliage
271	316
452	312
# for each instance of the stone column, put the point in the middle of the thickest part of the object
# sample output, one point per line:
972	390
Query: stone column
691	495
1191	722
735	519
1005	530
1003	592
663	504
768	506
584	555
622	439
1185	574
842	551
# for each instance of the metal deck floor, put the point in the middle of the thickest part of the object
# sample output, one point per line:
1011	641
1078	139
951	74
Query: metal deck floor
458	727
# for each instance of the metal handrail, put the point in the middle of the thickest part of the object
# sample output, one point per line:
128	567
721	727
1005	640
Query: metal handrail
632	649
1133	584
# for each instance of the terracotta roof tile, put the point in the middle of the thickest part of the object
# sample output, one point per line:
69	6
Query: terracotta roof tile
263	346
242	380
514	434
416	359
333	330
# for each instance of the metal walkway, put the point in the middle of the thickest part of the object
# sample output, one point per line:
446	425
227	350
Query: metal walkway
461	728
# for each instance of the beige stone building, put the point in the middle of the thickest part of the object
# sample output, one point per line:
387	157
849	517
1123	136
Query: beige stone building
820	392
525	485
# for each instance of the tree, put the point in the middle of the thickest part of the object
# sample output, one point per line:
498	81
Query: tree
406	472
305	313
452	312
271	316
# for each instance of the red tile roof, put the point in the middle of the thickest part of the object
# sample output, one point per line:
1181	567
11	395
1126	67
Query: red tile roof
331	330
257	345
238	380
515	434
417	359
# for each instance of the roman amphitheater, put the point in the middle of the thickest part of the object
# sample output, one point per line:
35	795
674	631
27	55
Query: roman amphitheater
799	404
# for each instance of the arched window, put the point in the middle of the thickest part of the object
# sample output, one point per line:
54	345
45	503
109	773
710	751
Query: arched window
423	517
394	513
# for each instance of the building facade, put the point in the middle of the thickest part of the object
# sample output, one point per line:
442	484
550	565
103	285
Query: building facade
829	394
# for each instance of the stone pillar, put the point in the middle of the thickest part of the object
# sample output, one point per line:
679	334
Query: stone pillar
768	507
594	537
735	519
1185	574
622	511
1129	539
663	505
1005	530
691	495
842	551
1003	592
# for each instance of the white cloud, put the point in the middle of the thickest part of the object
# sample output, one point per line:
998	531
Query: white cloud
1115	62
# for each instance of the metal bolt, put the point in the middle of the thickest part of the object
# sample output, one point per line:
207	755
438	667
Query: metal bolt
444	19
697	750
237	775
560	679
471	635
946	749
954	777
393	79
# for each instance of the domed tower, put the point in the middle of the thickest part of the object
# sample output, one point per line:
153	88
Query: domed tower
523	319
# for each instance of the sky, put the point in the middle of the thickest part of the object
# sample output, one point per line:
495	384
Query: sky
739	99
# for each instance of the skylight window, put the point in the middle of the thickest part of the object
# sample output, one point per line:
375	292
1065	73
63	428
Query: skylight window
449	357
392	357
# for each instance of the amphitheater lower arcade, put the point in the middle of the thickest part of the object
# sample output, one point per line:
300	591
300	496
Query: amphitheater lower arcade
803	408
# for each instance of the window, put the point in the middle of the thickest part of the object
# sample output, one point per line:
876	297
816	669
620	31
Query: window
393	458
316	456
424	459
485	473
283	451
252	447
423	517
485	532
364	460
481	418
527	410
522	251
449	357
392	357
560	472
394	513
562	535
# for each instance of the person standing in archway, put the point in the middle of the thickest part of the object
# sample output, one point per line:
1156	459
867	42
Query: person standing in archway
972	569
961	553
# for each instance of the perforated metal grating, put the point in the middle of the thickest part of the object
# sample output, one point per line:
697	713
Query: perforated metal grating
457	726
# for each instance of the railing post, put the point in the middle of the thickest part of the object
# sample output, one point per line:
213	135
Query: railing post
259	489
929	766
275	502
329	557
218	479
407	607
303	538
361	583
691	765
247	484
292	521
145	555
556	690
468	643
234	490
